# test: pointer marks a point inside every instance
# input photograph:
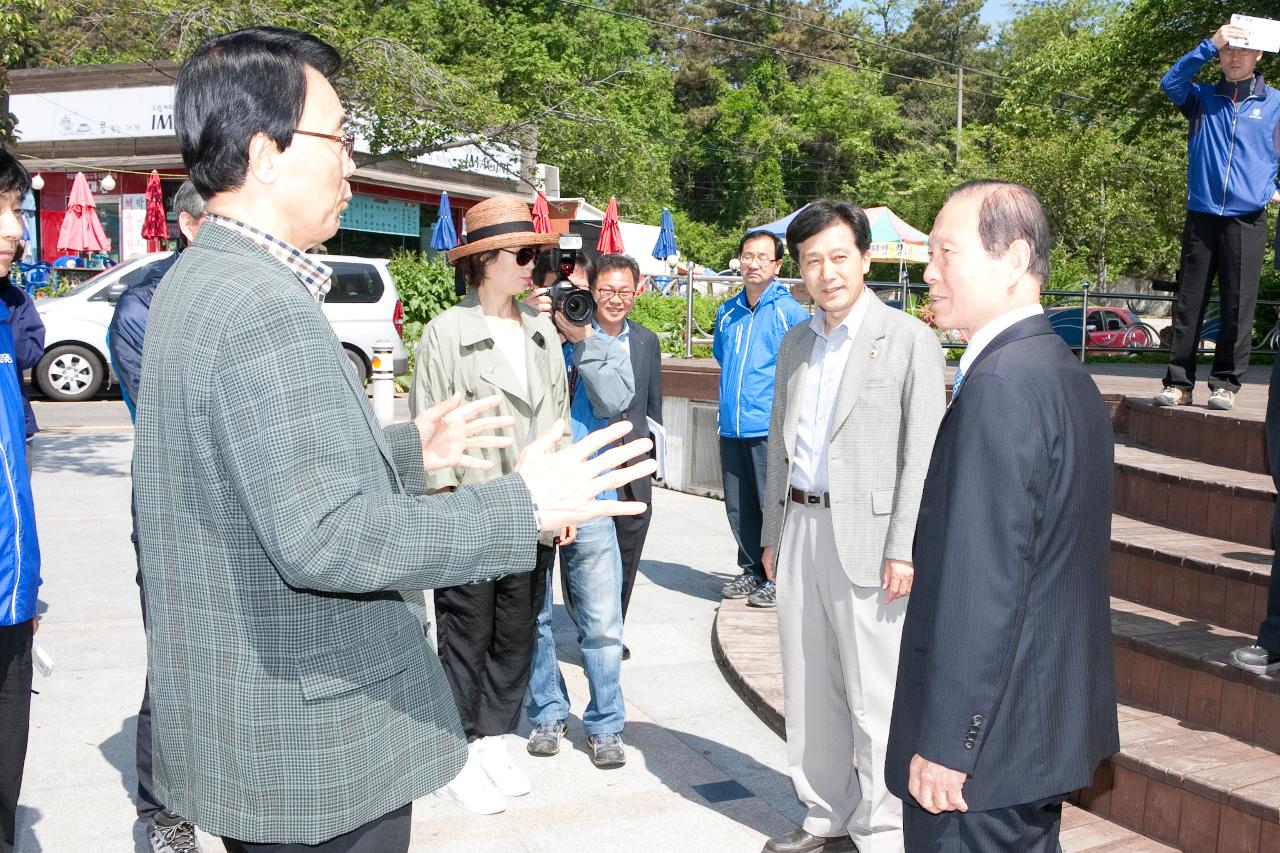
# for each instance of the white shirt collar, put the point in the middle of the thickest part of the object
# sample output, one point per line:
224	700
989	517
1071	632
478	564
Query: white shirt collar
988	333
852	321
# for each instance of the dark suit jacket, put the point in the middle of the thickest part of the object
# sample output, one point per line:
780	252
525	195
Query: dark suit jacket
646	367
1006	665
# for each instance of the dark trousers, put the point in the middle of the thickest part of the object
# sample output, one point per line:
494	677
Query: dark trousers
1232	247
632	531
15	721
387	834
743	463
148	805
486	634
1030	828
1269	633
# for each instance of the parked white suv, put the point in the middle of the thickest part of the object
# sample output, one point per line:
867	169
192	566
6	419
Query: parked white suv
362	306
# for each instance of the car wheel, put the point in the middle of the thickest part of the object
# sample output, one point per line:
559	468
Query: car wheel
69	373
357	359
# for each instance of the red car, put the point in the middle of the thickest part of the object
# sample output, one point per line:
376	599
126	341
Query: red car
1117	328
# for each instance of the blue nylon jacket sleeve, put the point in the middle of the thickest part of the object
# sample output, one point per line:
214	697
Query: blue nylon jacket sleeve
1177	85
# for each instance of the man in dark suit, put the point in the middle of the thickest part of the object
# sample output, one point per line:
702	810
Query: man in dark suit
285	535
1005	700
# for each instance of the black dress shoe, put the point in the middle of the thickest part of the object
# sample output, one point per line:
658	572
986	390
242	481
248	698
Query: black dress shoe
799	841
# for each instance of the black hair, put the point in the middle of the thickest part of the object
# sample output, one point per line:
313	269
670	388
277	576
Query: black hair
13	175
238	85
604	263
1011	212
823	214
546	264
470	268
756	235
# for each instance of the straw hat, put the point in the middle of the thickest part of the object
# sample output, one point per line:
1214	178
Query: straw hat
501	222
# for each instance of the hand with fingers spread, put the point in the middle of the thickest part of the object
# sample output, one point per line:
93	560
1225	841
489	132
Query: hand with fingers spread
448	430
564	484
936	788
898	576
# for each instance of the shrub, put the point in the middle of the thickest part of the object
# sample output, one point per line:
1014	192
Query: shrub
664	316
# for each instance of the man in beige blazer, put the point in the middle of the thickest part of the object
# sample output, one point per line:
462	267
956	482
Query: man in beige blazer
857	403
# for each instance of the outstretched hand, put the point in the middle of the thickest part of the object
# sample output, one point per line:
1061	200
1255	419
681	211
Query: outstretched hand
564	483
448	430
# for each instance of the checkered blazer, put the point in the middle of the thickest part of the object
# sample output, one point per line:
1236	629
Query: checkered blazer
285	539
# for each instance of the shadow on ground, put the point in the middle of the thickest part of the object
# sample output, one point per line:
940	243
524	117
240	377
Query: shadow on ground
120	750
81	454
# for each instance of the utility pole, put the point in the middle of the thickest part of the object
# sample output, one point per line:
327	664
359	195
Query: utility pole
959	113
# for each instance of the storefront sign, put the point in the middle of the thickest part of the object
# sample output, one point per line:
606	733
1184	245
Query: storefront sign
94	114
133	215
381	216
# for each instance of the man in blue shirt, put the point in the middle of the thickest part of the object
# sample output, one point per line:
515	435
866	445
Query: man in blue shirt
1232	142
167	832
601	385
20	554
749	330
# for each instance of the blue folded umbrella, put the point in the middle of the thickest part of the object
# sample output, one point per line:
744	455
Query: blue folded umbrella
443	235
666	245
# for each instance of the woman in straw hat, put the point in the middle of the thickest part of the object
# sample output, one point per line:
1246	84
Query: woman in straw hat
491	343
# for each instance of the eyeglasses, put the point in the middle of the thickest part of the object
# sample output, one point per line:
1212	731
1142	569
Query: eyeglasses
624	295
760	259
525	255
347	140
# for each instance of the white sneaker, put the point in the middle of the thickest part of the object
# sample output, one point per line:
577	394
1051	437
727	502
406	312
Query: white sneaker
471	789
495	760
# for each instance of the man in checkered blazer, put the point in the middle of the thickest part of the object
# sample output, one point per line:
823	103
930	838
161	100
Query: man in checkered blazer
285	535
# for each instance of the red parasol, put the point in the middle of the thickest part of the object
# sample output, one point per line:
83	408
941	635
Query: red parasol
541	215
610	242
155	227
81	230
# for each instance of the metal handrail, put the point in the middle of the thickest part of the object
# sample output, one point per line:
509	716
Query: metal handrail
1083	294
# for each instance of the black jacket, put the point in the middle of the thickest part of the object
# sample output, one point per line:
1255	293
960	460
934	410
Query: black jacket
28	339
1006	666
646	367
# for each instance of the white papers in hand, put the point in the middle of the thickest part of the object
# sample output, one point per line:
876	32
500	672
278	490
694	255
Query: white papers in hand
1264	33
659	447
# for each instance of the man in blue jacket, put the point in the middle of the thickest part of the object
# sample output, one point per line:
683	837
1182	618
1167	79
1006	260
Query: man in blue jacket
1232	144
20	555
749	330
167	832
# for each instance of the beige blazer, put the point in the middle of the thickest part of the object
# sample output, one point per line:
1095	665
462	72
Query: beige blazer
891	400
457	354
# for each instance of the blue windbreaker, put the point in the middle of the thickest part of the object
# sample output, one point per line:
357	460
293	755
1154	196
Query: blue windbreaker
1231	148
746	345
19	547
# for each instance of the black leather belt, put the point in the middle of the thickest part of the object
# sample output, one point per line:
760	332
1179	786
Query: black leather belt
810	498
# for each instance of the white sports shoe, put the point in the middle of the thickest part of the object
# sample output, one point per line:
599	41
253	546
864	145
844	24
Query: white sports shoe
471	788
495	760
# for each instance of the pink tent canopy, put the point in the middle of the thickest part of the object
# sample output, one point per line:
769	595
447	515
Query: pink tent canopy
541	215
81	230
610	242
154	227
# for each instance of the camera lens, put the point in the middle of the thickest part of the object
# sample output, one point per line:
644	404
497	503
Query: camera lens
578	307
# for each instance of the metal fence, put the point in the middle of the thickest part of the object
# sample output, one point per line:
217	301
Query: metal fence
1086	297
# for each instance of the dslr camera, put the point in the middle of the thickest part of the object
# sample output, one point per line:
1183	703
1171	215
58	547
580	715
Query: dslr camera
574	303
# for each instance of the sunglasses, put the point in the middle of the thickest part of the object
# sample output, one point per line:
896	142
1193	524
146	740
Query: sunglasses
525	255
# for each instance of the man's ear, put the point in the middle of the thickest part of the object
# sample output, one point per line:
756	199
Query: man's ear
263	154
1017	260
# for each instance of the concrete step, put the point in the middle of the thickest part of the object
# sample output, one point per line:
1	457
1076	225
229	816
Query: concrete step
1198	577
1179	667
1187	785
1229	439
1193	497
1085	832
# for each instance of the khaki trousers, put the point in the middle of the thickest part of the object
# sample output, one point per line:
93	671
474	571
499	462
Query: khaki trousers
839	667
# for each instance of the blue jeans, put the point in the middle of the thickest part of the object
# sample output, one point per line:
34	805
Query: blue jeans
594	569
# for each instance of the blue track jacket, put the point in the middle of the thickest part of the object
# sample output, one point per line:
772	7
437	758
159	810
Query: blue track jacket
1231	148
746	344
19	547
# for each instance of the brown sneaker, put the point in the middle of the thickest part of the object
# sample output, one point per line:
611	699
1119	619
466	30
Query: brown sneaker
1172	396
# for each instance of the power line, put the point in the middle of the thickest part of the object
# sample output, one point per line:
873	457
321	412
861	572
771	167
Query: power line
802	55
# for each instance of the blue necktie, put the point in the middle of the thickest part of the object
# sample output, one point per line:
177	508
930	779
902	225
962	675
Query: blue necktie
956	383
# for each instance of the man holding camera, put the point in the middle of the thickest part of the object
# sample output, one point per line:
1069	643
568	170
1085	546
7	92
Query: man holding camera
601	386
